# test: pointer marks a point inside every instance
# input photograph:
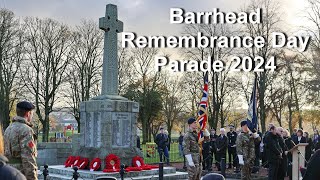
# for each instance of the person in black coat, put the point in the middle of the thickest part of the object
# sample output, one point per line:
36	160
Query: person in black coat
312	172
162	142
213	138
7	172
309	146
299	138
206	152
289	145
232	153
221	145
316	140
283	166
274	153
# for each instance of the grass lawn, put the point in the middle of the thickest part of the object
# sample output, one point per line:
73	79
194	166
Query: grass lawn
151	155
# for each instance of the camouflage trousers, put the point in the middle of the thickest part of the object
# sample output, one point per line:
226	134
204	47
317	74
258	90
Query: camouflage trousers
246	172
194	173
33	175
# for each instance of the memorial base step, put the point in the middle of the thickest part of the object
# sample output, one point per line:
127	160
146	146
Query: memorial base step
59	172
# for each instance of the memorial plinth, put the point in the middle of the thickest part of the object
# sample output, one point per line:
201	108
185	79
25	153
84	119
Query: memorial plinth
109	126
298	159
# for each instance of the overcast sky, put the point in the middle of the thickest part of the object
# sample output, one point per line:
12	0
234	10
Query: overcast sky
145	17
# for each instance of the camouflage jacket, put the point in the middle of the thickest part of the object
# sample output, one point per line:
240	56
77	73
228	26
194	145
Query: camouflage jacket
191	146
246	147
21	147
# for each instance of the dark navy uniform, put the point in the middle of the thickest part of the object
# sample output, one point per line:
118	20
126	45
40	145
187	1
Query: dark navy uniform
232	138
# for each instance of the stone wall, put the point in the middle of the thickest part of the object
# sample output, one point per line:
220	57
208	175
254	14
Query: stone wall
53	153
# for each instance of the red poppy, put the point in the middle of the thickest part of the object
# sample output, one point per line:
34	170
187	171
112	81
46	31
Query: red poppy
77	159
69	161
137	161
112	163
128	169
95	164
31	144
83	163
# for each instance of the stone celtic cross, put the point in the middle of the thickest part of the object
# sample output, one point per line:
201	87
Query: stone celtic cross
111	26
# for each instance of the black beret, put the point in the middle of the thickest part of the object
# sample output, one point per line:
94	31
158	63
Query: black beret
25	105
191	120
244	122
161	128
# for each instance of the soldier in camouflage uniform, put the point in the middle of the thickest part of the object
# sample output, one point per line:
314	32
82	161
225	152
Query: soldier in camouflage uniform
245	151
191	150
20	144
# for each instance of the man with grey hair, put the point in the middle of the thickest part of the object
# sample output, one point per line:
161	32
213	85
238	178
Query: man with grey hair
221	145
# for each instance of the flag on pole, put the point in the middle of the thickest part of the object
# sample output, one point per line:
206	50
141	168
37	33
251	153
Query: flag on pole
203	109
252	119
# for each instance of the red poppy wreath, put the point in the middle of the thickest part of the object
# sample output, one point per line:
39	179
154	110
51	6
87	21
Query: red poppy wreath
112	163
83	164
77	159
69	161
95	164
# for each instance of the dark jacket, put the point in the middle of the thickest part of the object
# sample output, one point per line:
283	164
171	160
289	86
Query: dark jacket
9	173
222	144
213	139
161	140
313	172
302	140
309	149
289	144
273	148
206	148
283	168
180	140
232	137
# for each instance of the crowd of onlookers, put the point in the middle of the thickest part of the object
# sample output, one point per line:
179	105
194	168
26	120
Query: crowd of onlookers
271	149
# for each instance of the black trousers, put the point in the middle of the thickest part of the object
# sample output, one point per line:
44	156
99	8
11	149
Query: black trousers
220	155
273	170
207	163
232	156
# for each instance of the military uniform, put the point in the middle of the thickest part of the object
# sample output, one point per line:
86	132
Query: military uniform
246	147
21	148
191	146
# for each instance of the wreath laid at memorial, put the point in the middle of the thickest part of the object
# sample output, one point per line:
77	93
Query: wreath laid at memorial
139	165
69	162
83	163
77	159
95	164
112	163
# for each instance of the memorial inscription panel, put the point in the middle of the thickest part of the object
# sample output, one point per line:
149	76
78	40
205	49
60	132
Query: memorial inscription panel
121	126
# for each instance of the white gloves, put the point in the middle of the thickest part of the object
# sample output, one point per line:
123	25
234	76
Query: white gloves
190	161
256	135
240	157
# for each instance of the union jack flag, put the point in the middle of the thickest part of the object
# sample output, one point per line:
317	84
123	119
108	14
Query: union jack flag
203	109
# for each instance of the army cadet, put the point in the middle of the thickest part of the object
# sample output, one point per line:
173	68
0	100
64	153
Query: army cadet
245	151
191	150
20	144
206	151
232	137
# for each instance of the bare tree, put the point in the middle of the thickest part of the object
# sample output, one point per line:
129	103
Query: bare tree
84	72
172	101
11	55
270	23
47	57
219	86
